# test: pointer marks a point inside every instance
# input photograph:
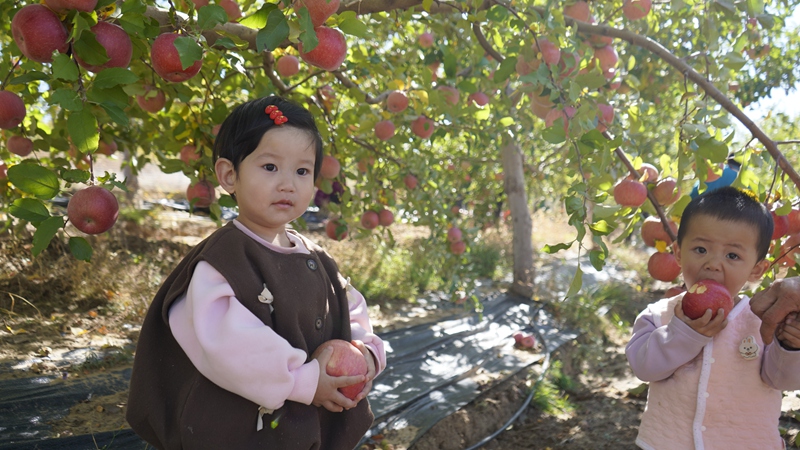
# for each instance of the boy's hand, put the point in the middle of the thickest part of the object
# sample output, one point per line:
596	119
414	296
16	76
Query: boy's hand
327	394
371	369
788	333
704	324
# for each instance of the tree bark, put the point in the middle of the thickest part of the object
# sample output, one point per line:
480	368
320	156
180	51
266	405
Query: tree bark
522	224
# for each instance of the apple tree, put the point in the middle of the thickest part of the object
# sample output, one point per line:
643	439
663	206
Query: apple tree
450	115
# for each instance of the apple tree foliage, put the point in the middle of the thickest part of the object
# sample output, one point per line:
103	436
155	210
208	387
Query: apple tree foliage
684	72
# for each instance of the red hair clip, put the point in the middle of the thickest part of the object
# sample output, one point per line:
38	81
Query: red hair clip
276	115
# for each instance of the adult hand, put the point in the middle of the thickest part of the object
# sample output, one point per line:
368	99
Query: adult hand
775	303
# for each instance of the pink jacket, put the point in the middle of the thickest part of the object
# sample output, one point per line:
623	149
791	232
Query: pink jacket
720	393
231	347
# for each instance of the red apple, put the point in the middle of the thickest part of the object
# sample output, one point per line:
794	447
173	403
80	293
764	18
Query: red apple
794	221
425	39
330	167
564	114
318	10
518	335
673	291
93	210
653	229
117	43
201	194
107	148
551	54
527	341
410	181
331	51
189	154
20	145
370	220
479	98
458	247
396	102
3	171
288	65
336	229
215	129
62	6
789	249
153	99
649	173
578	11
423	127
781	226
607	60
451	94
636	9
231	8
663	266
38	32
384	130
12	110
346	360
386	217
704	295
200	3
667	191
453	234
630	193
605	116
167	63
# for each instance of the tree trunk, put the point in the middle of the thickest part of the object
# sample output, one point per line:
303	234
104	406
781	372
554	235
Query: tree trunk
522	244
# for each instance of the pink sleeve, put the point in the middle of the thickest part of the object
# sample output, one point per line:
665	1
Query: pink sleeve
781	367
654	353
361	328
231	347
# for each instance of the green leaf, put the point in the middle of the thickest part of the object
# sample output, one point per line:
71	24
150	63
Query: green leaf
188	50
116	113
350	24
227	201
506	121
277	31
497	13
601	228
115	76
733	61
598	259
712	149
67	99
550	249
35	180
307	34
507	67
35	75
89	50
64	68
114	95
45	232
30	209
82	127
426	5
258	20
210	16
577	282
450	64
80	248
76	176
555	134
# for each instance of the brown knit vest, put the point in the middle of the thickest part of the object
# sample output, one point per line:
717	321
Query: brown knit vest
172	406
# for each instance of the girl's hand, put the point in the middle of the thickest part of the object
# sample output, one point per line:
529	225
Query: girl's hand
327	394
788	333
371	369
704	324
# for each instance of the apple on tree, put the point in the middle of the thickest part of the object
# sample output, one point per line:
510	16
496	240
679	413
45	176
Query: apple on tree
453	234
667	191
385	217
370	220
166	61
232	9
551	54
288	65
705	295
578	11
201	194
117	44
19	145
663	266
331	51
794	221
636	9
396	102
38	32
12	110
607	59
346	360
336	229
781	227
653	229
605	116
153	99
425	40
423	127
189	154
93	210
458	247
318	10
330	167
384	130
479	98
62	6
410	181
451	94
629	192
107	148
3	171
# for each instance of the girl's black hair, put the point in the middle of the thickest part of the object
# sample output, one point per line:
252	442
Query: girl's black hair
243	129
733	205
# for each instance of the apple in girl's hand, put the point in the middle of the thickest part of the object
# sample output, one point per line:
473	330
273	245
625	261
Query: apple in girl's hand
706	294
346	360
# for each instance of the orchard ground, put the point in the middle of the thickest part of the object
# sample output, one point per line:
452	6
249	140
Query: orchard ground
54	304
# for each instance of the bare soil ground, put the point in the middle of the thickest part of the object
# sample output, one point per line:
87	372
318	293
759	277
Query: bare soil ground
53	305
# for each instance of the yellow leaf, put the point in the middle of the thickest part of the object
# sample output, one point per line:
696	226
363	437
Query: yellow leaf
661	246
397	85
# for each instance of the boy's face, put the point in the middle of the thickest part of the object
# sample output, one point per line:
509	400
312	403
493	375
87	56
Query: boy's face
275	184
723	251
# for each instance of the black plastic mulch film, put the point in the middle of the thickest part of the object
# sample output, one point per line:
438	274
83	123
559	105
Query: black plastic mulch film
429	376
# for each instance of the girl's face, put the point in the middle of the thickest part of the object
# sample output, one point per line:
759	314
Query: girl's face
274	184
720	250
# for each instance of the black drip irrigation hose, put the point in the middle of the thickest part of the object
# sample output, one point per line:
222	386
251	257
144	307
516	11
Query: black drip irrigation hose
545	367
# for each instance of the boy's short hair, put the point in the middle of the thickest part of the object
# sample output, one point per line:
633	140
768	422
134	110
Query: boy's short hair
242	130
734	205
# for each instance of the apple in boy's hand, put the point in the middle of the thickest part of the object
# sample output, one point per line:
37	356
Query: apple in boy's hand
706	294
346	360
